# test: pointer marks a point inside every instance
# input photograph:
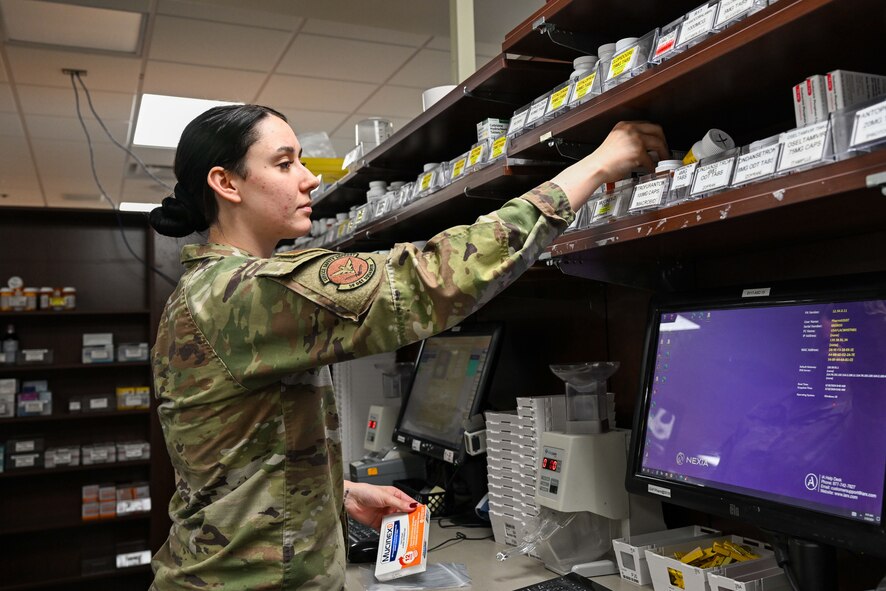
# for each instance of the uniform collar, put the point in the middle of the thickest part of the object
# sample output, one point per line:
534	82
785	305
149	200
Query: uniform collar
191	253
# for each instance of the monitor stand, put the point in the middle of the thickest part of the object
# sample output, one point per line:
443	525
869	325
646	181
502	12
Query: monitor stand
813	564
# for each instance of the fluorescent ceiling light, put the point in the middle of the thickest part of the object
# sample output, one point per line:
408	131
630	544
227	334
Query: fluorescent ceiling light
136	206
54	23
161	119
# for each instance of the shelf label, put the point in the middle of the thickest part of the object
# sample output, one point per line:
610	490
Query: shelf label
683	176
755	165
536	112
603	207
62	457
360	214
133	559
458	168
416	445
340	231
730	9
583	86
697	24
23	446
666	43
622	62
803	146
33	406
425	183
870	125
381	207
95	403
475	155
133	506
73	405
649	194
499	146
34	354
448	456
25	461
99	455
132	451
352	156
517	122
713	176
558	99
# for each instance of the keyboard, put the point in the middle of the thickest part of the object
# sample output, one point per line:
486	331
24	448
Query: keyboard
568	582
357	532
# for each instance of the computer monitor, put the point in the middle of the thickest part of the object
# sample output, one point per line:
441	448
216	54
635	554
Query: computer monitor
768	404
452	374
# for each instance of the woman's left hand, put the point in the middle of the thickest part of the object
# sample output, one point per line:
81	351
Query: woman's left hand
369	503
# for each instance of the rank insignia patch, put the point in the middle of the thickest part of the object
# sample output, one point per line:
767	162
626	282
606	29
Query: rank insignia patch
347	271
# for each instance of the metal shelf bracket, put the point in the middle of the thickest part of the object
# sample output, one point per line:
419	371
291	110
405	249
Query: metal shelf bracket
571	150
582	43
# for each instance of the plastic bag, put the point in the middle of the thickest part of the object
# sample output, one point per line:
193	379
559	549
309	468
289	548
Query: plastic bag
440	575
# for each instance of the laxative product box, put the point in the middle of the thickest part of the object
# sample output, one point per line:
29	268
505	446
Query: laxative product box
403	547
846	89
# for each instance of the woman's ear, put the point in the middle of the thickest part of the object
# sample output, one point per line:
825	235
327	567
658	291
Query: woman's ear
221	181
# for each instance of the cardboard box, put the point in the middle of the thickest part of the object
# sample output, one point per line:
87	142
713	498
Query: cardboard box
631	552
815	103
403	544
797	93
133	398
846	89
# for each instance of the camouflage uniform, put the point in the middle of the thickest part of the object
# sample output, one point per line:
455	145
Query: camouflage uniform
246	399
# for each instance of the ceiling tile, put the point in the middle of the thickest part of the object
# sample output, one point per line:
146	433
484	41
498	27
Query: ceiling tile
59	102
202	82
2	70
155	156
15	159
346	130
143	190
393	101
43	67
343	59
56	197
314	94
351	31
10	125
229	14
44	127
428	68
485	49
302	121
21	198
216	44
7	103
68	162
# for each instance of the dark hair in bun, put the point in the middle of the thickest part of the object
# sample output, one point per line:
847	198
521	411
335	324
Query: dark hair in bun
219	137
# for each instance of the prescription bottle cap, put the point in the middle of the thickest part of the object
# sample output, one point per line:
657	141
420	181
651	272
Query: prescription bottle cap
585	62
666	165
430	166
624	43
606	51
714	142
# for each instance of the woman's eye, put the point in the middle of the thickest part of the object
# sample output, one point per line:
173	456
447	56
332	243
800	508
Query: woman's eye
285	165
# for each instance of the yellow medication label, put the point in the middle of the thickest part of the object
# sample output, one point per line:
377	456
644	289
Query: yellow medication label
622	62
360	213
426	181
583	86
558	99
498	146
474	156
458	168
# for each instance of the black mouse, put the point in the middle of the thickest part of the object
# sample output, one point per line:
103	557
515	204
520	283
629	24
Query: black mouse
363	551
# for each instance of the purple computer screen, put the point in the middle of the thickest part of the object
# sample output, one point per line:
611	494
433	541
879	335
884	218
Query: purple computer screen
784	403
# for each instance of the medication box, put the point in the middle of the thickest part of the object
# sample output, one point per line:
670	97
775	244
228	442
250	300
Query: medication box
490	128
846	89
133	397
670	574
98	347
631	552
132	352
403	547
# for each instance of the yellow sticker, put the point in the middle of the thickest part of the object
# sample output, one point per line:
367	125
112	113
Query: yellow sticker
583	86
474	156
558	99
621	62
426	181
360	213
372	471
498	146
459	168
675	578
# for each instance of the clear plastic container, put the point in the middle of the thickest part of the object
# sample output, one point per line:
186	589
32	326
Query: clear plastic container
805	147
859	129
756	162
650	193
733	11
518	121
458	167
478	156
681	183
713	175
588	85
631	59
372	131
537	111
587	408
558	100
697	25
665	45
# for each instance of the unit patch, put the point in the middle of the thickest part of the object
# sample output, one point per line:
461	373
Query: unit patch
347	271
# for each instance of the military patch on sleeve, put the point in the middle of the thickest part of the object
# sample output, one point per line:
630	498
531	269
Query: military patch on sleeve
347	271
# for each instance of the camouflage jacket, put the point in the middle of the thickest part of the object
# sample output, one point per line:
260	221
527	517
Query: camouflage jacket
245	397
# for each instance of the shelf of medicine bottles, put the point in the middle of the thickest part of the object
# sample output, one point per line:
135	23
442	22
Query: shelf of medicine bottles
449	127
729	80
37	367
601	21
77	416
48	471
133	570
351	189
71	524
831	200
458	203
79	313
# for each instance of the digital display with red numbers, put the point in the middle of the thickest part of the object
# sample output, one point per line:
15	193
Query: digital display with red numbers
372	424
550	464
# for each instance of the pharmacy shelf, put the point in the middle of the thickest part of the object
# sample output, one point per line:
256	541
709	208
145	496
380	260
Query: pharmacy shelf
91	467
82	416
39	584
71	524
828	201
596	23
729	80
75	313
460	202
37	367
447	129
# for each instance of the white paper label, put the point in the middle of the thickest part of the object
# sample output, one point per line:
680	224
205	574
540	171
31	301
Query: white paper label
756	164
536	112
33	406
665	44
98	403
729	9
759	292
659	490
133	506
99	455
132	451
448	456
62	457
683	176
803	146
517	122
73	405
416	445
713	176
623	62
697	25
25	461
583	86
23	446
603	207
133	400
133	559
401	439
870	125
33	354
380	207
351	157
649	194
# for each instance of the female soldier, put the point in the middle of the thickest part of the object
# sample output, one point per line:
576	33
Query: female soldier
240	362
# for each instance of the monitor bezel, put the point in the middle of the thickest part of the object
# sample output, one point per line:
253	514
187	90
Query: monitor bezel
436	448
766	514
